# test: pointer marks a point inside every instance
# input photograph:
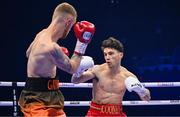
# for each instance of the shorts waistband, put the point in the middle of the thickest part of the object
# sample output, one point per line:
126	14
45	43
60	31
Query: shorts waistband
41	84
107	108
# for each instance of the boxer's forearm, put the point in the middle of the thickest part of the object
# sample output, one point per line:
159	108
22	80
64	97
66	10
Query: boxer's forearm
75	62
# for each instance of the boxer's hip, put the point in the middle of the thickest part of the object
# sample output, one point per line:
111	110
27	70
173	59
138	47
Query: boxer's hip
43	91
41	84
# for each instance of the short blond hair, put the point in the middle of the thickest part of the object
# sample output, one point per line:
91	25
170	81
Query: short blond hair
65	8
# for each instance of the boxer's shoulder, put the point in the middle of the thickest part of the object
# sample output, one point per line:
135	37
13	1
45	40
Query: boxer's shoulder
98	68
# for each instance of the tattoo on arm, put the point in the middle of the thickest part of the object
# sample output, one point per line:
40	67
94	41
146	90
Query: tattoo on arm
61	60
76	56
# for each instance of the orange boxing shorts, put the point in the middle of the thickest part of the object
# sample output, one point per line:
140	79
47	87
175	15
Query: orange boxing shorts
41	97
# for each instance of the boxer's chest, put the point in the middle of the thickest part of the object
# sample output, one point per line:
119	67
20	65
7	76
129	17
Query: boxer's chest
112	83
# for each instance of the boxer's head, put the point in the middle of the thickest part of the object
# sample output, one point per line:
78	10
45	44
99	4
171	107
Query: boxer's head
66	15
113	43
113	51
65	8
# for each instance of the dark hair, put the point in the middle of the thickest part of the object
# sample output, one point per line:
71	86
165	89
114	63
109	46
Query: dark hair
111	42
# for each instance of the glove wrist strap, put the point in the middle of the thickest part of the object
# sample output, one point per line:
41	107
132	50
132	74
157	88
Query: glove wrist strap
80	48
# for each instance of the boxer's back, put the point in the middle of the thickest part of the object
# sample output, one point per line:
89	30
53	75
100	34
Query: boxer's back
39	62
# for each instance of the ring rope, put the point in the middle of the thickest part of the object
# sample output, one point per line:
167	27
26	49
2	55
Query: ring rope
89	85
125	103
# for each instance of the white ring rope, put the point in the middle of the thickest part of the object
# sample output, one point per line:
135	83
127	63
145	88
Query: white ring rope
124	103
89	85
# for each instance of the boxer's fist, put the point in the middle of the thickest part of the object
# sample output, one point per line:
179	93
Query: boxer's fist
65	50
147	96
84	32
133	84
86	63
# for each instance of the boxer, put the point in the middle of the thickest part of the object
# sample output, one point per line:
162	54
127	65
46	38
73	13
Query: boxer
110	81
41	95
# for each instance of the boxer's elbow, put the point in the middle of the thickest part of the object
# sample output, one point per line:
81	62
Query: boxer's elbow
66	67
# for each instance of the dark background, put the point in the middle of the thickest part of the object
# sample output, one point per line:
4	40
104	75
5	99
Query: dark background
149	30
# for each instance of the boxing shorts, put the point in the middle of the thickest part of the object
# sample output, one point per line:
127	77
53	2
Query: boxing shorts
41	97
103	110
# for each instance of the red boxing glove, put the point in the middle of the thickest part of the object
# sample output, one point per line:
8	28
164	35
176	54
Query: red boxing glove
84	32
65	50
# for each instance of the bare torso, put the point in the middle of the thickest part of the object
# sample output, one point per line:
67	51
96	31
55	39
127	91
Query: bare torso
39	61
108	87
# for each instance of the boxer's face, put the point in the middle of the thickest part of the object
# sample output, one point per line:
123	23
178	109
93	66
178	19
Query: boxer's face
112	56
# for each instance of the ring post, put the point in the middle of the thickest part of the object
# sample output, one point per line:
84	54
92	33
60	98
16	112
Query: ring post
14	86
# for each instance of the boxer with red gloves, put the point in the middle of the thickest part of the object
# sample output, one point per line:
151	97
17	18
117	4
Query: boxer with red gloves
41	95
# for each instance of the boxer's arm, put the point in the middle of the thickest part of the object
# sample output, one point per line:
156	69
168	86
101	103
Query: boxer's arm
85	76
85	70
62	61
133	84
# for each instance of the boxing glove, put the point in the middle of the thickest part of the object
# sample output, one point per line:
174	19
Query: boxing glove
133	84
84	32
65	50
86	63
